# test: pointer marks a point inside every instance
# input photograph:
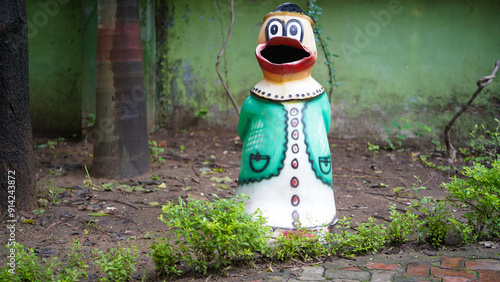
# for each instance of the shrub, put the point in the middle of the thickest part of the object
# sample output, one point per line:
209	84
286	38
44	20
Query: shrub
208	235
479	197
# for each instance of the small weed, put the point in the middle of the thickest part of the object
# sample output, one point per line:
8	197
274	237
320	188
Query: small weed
38	211
88	182
373	148
156	151
484	144
90	224
50	189
201	113
400	131
395	134
76	264
117	264
90	120
28	267
417	185
425	159
438	145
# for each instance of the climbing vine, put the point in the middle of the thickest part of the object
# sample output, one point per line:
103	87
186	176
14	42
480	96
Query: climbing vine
314	11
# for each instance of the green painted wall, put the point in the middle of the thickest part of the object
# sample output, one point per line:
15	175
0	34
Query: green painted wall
62	38
55	40
196	32
416	59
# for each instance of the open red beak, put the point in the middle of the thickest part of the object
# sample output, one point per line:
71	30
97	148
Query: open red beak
284	55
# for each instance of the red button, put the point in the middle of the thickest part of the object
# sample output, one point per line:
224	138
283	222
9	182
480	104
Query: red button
294	182
295	200
295	163
295	148
295	122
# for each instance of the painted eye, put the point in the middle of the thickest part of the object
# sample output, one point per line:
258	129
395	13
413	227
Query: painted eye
274	28
294	30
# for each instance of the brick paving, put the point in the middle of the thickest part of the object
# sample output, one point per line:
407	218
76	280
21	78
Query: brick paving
409	267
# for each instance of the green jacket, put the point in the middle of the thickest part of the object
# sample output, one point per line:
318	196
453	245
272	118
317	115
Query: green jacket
263	130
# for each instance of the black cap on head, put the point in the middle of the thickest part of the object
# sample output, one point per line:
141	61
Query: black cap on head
289	7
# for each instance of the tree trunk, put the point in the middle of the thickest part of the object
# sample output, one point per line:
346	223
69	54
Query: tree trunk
121	140
17	181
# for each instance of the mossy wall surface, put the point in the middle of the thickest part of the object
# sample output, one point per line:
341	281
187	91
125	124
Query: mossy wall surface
415	59
55	42
62	41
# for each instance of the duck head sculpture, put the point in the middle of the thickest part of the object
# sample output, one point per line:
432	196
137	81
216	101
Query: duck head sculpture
286	53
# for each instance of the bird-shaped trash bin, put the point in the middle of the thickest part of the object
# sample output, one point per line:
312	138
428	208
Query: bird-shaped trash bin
286	167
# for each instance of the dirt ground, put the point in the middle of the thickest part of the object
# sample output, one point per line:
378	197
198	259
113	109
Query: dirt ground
364	184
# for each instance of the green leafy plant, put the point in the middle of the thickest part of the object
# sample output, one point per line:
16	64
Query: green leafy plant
50	189
208	234
29	267
201	113
370	237
156	151
90	120
437	220
436	224
395	135
439	223
166	258
479	196
484	144
118	264
402	225
302	244
75	268
425	159
398	132
373	148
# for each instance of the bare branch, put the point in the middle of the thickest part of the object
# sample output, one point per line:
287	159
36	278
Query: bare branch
220	55
481	83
